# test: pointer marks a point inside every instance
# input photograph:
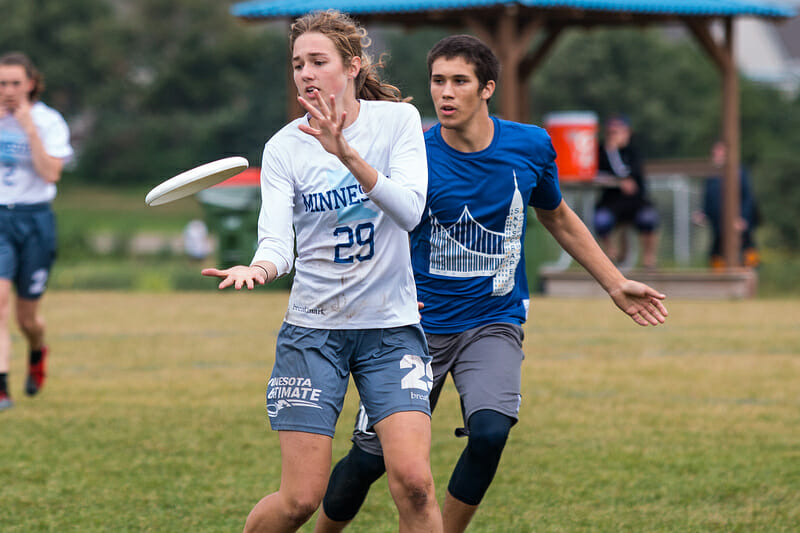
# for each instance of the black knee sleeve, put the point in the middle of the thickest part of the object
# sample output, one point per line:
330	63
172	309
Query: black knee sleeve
350	482
488	432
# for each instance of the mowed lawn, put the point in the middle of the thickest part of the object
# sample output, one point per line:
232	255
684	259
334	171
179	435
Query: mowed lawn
153	419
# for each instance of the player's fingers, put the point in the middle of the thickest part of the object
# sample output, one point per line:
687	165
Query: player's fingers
662	309
651	319
332	107
323	105
212	272
656	313
312	110
308	129
637	317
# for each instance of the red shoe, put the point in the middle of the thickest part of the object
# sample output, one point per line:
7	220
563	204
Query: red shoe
36	375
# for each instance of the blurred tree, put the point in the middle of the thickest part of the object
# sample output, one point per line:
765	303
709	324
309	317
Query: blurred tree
153	87
199	85
674	109
76	45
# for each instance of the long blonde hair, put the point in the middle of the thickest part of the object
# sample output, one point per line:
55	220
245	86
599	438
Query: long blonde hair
350	39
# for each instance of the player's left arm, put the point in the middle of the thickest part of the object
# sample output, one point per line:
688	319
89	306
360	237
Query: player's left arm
641	302
46	166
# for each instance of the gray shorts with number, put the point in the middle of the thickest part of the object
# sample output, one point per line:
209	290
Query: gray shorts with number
486	365
390	367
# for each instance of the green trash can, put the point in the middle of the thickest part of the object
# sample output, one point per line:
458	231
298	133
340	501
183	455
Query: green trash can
231	212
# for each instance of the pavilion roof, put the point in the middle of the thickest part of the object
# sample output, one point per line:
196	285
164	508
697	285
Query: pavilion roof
264	9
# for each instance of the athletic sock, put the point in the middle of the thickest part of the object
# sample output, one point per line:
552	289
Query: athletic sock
4	383
35	356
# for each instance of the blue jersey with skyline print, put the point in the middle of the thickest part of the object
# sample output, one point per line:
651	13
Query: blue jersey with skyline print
467	253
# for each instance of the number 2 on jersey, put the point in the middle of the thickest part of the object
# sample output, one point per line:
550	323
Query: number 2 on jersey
362	235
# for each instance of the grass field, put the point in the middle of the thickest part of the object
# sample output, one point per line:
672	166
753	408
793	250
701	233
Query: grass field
153	420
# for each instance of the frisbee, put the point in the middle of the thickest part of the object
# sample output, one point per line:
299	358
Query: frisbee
195	180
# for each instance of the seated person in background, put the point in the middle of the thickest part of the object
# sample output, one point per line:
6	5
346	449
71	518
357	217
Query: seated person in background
623	199
712	212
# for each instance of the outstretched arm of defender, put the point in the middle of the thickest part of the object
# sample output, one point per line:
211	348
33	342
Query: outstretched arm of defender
639	301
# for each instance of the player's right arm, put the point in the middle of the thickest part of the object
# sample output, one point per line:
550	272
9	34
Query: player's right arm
46	166
260	272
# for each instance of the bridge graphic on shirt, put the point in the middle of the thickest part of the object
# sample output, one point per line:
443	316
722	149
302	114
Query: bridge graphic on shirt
467	249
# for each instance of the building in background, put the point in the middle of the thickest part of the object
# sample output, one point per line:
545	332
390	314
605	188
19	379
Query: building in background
770	52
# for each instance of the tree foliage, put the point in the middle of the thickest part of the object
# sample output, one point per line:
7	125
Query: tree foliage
153	87
672	94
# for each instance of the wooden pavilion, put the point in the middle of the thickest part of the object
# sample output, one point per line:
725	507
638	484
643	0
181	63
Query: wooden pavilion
522	32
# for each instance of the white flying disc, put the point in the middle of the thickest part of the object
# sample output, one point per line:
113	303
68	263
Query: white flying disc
195	180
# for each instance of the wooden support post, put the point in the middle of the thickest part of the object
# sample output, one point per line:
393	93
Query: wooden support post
723	56
731	195
531	62
508	43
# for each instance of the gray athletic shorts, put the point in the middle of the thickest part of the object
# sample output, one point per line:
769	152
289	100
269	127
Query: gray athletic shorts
486	365
391	368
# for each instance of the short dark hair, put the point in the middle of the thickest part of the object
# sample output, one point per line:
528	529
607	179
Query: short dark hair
473	51
21	60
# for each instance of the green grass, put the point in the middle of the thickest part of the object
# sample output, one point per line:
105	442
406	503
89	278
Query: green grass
95	208
153	420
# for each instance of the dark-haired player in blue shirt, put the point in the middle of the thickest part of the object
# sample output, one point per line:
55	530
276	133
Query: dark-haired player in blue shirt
469	269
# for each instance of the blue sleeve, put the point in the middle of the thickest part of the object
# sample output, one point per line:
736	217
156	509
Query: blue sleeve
547	193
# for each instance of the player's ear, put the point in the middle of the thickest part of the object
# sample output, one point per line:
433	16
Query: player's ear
355	67
488	90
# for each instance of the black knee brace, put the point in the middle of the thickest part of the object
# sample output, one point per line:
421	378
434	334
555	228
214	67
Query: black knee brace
350	482
488	432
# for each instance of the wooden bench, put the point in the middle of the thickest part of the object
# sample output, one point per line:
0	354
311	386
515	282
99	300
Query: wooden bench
676	284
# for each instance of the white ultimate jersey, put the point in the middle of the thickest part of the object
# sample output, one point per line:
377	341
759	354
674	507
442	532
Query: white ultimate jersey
19	182
353	267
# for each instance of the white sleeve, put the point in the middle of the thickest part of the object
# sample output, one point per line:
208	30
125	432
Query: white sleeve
402	194
55	137
275	232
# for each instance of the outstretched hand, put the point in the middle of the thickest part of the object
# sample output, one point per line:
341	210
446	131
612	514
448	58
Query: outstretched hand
238	276
329	125
641	302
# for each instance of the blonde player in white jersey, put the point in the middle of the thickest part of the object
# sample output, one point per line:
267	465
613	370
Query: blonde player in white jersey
350	177
34	145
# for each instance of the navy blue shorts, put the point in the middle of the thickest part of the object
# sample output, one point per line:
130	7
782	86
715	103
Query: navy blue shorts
27	247
390	367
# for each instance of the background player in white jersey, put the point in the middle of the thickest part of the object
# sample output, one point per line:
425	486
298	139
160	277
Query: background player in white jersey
34	144
469	268
351	177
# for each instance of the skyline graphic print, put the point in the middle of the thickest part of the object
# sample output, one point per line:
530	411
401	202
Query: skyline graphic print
467	249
